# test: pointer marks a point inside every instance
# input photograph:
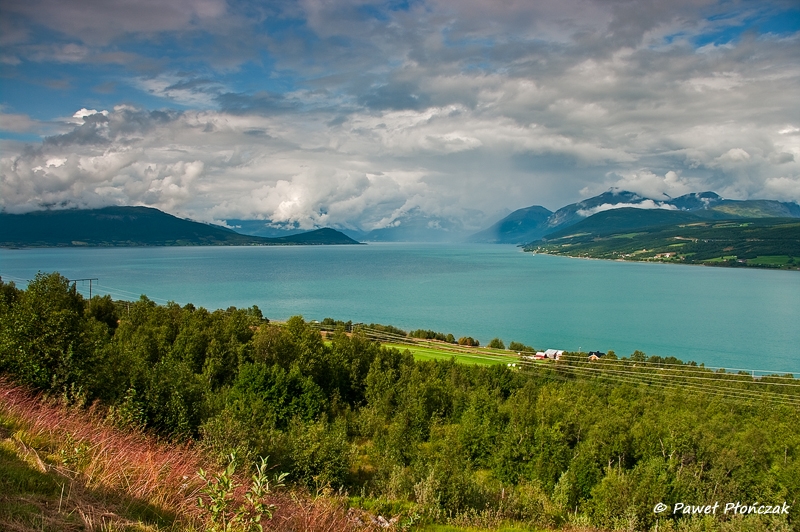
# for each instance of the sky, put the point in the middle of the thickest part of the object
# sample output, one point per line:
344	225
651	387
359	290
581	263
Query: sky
357	114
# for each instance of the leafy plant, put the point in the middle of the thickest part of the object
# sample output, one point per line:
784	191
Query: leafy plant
219	507
74	453
219	491
250	514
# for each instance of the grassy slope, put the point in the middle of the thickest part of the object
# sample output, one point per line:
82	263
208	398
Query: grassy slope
423	349
39	491
480	356
64	470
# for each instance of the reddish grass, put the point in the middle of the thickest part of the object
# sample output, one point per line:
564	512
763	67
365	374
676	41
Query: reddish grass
150	470
139	465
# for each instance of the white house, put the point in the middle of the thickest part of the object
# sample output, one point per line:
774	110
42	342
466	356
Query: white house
553	354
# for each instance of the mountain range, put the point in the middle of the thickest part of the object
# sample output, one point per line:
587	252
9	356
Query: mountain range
530	224
144	226
412	226
136	226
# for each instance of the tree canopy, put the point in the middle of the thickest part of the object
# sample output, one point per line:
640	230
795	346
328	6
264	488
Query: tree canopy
561	442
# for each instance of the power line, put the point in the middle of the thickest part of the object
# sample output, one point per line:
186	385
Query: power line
90	279
691	372
665	381
727	393
690	366
624	367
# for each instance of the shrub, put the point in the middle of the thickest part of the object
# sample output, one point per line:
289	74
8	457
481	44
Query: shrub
520	347
219	499
468	341
497	343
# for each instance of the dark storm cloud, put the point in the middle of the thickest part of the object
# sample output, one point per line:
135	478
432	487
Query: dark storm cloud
91	132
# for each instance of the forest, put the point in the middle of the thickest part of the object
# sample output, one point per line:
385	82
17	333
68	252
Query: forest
559	444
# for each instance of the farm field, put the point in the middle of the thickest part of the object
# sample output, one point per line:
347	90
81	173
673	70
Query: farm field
480	356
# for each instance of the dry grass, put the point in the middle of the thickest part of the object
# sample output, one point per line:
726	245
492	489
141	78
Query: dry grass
105	472
80	445
322	514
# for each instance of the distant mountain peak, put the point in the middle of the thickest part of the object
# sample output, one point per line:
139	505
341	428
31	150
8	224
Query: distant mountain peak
707	204
627	194
696	201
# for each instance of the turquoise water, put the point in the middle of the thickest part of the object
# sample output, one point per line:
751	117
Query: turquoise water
732	318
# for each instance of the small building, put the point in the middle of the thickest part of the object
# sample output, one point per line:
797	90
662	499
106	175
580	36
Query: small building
553	354
596	355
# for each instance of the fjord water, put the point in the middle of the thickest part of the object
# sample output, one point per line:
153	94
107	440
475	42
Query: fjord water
731	318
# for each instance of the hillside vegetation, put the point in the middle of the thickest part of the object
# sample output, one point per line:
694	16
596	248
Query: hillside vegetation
547	445
67	468
533	223
135	226
668	236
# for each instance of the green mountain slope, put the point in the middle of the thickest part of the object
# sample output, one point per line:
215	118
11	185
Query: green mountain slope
618	220
757	209
519	227
634	234
134	226
529	224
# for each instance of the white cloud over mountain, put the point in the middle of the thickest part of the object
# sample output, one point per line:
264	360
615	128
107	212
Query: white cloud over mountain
355	113
644	204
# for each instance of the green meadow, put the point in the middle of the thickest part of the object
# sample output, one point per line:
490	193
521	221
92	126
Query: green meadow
480	356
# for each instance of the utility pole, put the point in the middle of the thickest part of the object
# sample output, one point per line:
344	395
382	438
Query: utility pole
87	279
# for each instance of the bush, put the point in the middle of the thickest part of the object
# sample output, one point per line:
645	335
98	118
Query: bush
497	343
520	347
218	503
432	335
320	453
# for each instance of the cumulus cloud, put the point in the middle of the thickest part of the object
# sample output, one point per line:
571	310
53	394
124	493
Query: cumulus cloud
359	114
734	155
786	188
206	165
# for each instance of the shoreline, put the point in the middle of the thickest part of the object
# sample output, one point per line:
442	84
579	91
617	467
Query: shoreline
675	263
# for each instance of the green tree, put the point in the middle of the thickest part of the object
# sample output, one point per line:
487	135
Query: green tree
320	453
9	293
520	347
44	340
102	309
638	356
468	341
497	343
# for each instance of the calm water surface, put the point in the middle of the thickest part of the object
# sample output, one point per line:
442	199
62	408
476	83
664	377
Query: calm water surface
732	318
